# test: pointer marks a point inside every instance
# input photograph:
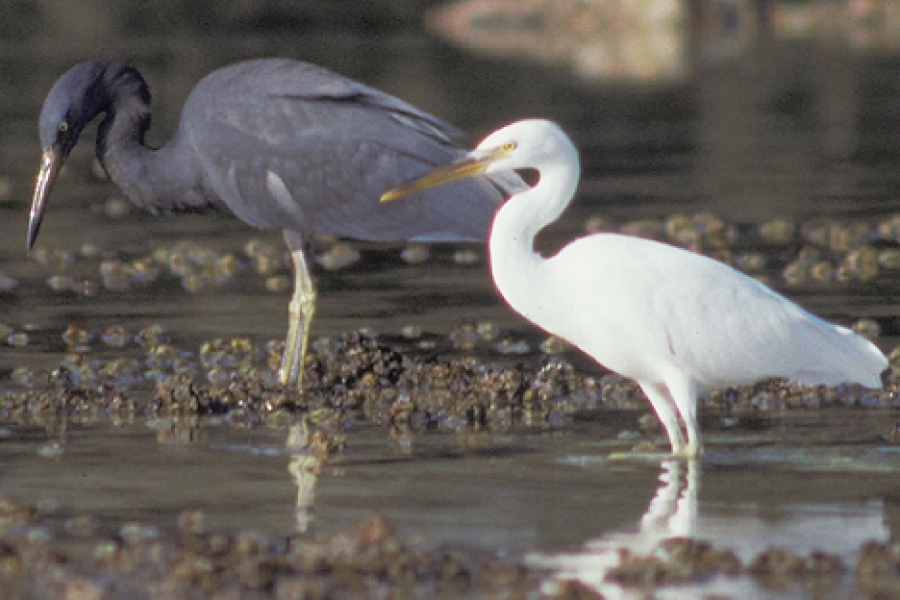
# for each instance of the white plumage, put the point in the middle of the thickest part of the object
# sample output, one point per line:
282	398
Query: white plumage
676	322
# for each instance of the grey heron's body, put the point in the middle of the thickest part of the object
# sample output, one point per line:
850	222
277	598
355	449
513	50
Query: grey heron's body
280	143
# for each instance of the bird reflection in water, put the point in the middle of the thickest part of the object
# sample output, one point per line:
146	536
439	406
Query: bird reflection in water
672	513
309	450
179	429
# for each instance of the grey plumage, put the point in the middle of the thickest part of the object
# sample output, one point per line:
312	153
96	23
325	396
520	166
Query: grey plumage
282	144
253	130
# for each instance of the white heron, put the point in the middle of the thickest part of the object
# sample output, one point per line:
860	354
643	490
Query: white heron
676	322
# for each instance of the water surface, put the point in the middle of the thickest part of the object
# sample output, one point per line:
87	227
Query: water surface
797	129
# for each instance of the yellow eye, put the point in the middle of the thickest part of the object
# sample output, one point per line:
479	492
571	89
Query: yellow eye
63	127
509	146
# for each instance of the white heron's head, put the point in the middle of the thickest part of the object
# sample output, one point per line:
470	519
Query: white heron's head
530	144
527	144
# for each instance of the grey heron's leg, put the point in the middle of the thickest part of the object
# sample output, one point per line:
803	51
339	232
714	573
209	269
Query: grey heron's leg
667	411
301	310
305	466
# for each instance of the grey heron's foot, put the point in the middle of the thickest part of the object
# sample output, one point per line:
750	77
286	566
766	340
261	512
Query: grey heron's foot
302	308
294	357
289	373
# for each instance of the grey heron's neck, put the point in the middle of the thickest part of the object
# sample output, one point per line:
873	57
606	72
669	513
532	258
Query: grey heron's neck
126	102
154	178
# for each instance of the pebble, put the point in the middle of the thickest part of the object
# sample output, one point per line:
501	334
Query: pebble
7	283
415	254
51	450
17	339
116	207
61	283
487	330
411	332
868	328
512	346
116	336
466	258
278	283
777	231
340	256
553	345
6	188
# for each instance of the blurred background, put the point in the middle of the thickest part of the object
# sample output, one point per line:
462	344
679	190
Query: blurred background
760	131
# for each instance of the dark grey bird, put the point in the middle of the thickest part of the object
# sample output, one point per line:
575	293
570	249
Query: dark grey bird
280	143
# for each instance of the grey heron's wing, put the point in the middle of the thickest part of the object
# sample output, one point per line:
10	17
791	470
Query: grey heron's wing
315	156
290	78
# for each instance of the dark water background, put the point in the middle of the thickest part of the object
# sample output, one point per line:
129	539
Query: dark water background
755	121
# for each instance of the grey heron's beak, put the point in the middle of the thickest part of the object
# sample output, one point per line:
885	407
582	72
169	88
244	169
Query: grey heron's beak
51	162
475	163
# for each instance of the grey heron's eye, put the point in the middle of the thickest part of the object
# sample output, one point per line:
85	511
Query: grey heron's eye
64	127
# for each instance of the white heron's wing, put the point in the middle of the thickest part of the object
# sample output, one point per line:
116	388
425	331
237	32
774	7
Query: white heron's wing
671	308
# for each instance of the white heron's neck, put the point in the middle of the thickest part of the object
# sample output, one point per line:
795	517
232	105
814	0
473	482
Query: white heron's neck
515	265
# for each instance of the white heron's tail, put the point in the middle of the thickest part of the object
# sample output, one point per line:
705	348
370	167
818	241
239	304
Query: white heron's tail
839	355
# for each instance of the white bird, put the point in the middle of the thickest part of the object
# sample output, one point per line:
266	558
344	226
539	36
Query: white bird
676	322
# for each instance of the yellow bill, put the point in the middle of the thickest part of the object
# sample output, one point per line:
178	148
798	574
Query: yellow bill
476	163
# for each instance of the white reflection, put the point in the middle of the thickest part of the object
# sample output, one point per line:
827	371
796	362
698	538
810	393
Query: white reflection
673	512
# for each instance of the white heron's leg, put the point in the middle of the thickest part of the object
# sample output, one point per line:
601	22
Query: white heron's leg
684	521
301	310
665	501
666	411
684	392
673	510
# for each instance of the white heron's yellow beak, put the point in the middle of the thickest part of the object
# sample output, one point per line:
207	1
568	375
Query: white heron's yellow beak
475	163
51	162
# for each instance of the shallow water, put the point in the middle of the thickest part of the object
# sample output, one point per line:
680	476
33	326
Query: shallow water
779	128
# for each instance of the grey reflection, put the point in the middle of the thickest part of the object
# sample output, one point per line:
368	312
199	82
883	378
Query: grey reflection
309	450
304	468
179	430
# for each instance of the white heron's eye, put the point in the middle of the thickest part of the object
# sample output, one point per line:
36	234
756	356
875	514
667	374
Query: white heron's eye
509	146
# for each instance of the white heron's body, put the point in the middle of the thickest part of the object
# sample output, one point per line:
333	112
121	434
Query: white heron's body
676	322
655	308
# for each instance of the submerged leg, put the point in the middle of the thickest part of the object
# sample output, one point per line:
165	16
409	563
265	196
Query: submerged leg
301	310
684	392
666	410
